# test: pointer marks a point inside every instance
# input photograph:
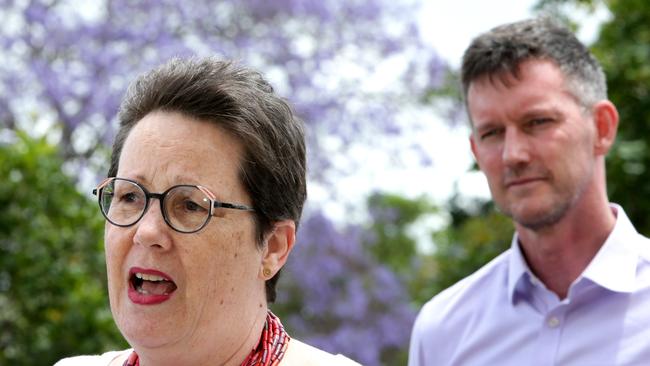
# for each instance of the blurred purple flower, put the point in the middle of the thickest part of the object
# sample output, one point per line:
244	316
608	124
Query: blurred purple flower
86	58
349	302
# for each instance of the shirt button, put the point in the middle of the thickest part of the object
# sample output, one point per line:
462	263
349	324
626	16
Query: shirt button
553	322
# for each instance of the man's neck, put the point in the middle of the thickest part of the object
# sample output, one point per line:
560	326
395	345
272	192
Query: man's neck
560	253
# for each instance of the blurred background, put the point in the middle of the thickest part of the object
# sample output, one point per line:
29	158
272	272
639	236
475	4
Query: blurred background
396	210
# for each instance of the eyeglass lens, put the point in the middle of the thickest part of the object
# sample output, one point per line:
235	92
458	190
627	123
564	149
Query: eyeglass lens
185	208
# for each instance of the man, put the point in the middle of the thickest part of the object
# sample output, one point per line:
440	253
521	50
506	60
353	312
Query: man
574	288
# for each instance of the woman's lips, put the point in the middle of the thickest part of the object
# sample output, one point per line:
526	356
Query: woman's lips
149	286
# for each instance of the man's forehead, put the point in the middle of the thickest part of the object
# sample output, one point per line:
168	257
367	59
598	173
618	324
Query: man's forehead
505	77
529	69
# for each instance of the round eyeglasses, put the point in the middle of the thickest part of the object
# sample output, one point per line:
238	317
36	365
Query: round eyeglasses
185	208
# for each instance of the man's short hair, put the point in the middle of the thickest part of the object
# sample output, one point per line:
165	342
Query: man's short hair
500	51
243	103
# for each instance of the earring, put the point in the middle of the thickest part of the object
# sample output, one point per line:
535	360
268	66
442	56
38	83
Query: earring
266	272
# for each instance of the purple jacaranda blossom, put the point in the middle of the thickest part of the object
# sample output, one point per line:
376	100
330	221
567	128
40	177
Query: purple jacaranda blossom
348	302
75	62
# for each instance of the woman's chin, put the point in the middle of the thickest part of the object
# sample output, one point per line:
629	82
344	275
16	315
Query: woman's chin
147	333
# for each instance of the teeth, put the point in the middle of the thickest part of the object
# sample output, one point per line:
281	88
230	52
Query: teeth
145	292
148	277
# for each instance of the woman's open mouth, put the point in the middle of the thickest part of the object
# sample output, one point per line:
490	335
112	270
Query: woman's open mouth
149	287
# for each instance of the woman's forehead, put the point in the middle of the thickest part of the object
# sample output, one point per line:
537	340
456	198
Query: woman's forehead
181	150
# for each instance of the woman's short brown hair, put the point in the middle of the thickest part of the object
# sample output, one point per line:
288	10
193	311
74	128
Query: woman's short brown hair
244	104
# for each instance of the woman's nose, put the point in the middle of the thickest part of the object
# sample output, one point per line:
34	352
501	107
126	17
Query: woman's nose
152	230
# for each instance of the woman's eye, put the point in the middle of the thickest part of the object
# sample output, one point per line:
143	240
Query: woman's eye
128	197
192	206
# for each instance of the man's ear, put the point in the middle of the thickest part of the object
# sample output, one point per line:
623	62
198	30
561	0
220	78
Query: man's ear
277	246
606	121
472	144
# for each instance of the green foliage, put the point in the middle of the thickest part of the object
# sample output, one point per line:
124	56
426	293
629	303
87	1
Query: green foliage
623	48
472	240
53	300
392	215
393	244
473	237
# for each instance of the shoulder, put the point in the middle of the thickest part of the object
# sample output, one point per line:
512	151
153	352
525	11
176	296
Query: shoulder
97	360
302	354
470	292
448	313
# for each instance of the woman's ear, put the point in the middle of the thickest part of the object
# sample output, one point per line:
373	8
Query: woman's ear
606	120
278	245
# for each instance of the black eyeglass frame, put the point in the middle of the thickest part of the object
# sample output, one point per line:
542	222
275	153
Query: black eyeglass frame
214	204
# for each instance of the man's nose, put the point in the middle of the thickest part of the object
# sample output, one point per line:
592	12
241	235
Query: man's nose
516	148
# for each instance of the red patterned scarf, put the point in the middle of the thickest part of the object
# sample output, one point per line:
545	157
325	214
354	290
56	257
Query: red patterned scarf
269	351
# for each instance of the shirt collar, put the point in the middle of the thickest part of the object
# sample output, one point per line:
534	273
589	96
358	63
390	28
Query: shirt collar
613	267
517	269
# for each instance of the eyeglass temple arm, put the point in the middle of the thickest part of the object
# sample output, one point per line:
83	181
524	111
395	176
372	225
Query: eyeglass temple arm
217	204
101	185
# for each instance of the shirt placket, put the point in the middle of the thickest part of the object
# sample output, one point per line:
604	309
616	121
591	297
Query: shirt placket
550	329
550	336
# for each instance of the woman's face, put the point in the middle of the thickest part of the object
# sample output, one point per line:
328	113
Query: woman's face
216	272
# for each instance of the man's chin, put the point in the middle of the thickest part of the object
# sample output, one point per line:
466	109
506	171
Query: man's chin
540	218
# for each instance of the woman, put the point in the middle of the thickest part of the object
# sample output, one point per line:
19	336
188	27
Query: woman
205	191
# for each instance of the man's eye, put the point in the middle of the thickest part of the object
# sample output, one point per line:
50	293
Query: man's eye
490	133
539	121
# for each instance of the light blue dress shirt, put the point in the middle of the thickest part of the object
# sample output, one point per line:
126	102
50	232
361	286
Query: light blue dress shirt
503	315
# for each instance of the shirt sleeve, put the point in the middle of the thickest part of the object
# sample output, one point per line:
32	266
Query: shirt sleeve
430	340
416	357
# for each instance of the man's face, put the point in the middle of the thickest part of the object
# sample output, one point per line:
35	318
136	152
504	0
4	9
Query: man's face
533	141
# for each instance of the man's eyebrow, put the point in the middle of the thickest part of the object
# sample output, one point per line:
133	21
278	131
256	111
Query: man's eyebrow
478	127
541	111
